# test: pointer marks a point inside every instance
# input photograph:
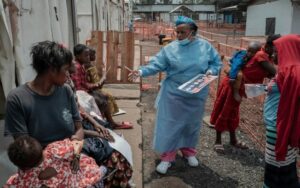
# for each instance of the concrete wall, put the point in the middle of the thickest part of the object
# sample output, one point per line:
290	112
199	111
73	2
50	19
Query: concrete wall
296	19
168	8
116	16
100	15
165	17
203	16
84	19
257	14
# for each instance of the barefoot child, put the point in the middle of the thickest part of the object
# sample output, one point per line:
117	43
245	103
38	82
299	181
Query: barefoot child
93	77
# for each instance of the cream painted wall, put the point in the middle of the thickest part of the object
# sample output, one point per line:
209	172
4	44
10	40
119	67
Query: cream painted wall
282	10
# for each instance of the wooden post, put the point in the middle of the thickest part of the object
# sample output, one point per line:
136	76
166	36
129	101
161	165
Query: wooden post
115	55
143	31
123	57
127	58
110	51
219	73
234	31
99	53
241	42
219	79
226	39
141	63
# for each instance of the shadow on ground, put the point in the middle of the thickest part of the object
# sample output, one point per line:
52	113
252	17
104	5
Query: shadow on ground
201	176
235	168
248	157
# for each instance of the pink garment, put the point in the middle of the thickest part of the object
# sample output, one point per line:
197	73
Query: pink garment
58	156
170	156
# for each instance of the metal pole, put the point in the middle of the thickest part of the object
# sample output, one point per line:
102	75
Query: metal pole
141	63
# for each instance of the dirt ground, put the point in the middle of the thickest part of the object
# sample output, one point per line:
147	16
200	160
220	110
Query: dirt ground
236	168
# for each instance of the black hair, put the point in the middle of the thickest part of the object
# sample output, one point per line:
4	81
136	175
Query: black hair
271	38
49	54
79	48
25	152
92	50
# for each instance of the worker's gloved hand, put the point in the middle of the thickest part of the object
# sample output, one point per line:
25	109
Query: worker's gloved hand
133	75
208	73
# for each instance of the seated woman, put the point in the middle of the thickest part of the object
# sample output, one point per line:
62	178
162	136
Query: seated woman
45	108
51	167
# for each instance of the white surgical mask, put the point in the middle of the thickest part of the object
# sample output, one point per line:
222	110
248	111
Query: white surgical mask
184	42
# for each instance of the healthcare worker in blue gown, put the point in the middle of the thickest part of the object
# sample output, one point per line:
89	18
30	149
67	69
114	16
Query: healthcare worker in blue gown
179	114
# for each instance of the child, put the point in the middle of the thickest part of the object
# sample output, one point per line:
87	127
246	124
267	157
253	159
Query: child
237	62
58	165
82	58
93	77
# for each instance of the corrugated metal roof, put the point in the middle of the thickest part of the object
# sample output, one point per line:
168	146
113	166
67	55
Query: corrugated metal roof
180	7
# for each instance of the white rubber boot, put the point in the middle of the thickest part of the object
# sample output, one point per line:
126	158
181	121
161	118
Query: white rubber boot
162	167
192	161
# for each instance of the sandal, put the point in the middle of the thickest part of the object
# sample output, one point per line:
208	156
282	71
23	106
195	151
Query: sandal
211	126
219	148
124	125
240	145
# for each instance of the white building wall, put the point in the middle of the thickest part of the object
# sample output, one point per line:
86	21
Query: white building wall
165	17
296	19
257	14
114	18
103	14
84	19
100	15
203	16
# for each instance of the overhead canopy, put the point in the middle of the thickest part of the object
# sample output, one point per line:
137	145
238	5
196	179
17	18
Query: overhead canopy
181	8
231	8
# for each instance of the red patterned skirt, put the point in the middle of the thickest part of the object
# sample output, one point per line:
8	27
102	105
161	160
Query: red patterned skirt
119	171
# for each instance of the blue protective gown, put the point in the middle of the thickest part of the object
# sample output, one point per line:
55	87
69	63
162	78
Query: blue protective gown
179	114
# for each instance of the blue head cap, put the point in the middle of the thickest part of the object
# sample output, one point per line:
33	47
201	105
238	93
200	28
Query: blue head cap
184	20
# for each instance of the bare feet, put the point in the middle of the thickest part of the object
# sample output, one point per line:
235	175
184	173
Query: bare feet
123	125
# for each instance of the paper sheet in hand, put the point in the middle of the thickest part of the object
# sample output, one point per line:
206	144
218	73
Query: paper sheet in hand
122	146
197	83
